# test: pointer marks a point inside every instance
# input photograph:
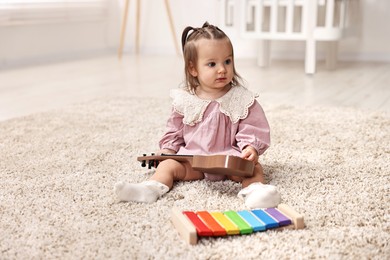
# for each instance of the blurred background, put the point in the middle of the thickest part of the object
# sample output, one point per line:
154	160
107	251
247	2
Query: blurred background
38	30
37	37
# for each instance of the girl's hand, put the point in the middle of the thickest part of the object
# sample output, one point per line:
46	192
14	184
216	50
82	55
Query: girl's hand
250	153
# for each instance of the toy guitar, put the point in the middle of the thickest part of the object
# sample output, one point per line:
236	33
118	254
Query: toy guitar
214	164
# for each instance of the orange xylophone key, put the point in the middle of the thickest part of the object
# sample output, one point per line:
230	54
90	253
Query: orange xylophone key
216	228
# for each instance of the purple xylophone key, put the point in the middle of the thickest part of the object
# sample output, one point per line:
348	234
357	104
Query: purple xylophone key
282	219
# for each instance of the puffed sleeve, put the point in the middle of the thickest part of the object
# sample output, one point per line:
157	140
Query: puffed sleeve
173	137
254	130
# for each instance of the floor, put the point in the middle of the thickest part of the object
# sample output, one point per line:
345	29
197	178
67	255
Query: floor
27	90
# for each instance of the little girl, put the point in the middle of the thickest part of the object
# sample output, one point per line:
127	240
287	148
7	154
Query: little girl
213	114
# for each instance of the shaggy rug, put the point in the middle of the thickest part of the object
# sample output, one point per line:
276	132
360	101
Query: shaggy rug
58	169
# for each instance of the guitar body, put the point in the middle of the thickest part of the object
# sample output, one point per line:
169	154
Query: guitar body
214	164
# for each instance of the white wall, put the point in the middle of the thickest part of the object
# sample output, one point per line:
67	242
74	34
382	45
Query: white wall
370	31
52	41
369	34
156	36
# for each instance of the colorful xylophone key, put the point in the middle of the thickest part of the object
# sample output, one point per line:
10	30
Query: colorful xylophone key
192	225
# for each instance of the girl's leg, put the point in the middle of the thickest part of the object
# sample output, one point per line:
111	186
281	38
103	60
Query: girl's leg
162	180
258	176
170	170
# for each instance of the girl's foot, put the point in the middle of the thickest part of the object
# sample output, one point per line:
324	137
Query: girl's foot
258	195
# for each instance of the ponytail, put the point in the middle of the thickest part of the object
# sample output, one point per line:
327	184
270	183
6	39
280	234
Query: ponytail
184	36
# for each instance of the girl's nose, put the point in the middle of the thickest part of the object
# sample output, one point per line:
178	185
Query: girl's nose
221	69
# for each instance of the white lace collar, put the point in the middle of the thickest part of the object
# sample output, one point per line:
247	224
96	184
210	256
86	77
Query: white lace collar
234	104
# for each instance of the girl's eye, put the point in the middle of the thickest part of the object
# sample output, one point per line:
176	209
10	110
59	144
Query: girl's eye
211	64
228	61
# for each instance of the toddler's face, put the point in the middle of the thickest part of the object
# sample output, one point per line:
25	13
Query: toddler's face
215	64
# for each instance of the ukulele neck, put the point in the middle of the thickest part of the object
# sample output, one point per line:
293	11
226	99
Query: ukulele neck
177	157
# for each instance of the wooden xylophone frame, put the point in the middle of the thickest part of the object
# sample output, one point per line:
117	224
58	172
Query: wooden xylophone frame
187	229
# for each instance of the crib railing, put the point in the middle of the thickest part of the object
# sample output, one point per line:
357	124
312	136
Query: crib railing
299	20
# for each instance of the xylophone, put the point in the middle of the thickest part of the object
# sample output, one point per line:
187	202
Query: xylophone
216	164
192	225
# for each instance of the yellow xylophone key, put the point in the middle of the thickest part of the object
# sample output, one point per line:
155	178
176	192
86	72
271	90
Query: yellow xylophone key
231	229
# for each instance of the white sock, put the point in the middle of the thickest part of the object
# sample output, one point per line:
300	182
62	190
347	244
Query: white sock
147	191
258	195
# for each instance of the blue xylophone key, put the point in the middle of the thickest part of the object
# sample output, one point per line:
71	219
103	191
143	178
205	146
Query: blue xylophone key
252	220
276	214
265	218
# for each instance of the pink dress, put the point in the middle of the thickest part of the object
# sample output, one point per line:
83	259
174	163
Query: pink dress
222	126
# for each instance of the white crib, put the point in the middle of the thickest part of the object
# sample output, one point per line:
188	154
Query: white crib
299	20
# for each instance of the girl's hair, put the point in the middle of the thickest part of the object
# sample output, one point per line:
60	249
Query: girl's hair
190	53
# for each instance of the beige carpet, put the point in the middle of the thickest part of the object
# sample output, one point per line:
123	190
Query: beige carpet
58	170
